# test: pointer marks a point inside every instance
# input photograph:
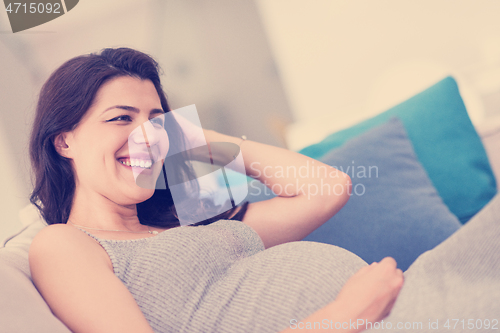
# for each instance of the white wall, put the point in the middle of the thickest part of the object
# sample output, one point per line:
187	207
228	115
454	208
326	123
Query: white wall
340	57
11	197
17	97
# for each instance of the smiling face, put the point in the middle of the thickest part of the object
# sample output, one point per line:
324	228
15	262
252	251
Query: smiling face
119	143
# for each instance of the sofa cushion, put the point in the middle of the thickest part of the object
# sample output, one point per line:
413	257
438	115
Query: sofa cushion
22	308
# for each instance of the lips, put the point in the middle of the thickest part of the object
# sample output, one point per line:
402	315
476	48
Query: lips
142	160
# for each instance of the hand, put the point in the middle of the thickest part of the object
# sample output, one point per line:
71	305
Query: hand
369	295
371	292
187	118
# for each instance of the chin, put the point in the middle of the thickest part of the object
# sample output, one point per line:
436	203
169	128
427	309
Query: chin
144	194
137	196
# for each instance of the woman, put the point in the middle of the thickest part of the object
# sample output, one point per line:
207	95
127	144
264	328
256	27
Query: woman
82	159
115	260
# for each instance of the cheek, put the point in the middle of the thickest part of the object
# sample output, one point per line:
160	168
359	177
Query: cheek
164	144
85	166
99	151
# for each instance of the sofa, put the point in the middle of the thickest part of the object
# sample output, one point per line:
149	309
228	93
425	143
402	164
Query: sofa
435	171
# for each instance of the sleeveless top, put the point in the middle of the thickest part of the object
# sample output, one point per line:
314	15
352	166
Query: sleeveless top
219	278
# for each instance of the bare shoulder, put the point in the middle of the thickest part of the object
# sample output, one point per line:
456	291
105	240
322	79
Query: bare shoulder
74	275
61	242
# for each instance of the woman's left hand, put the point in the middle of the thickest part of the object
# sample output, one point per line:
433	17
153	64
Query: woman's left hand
371	293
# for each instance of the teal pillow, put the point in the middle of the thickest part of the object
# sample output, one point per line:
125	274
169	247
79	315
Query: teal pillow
444	141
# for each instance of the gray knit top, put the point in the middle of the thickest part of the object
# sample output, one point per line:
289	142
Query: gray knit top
219	278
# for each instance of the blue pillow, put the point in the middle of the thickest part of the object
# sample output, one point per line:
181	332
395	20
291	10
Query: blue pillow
445	142
394	210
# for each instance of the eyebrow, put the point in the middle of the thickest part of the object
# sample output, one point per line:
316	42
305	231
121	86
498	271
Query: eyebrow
133	109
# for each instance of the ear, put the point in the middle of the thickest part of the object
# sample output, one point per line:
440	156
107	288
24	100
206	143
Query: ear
61	146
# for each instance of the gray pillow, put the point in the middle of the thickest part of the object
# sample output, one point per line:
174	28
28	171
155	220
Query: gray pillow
394	209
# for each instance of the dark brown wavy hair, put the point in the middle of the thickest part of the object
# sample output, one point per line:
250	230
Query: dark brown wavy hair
64	99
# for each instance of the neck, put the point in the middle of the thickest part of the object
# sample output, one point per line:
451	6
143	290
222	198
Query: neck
97	211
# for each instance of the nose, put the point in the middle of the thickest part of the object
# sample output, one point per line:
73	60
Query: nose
147	134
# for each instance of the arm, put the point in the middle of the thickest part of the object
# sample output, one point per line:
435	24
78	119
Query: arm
76	279
309	192
368	296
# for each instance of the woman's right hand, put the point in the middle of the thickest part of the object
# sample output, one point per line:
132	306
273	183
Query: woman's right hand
371	293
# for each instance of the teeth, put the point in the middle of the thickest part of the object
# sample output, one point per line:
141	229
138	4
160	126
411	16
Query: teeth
133	162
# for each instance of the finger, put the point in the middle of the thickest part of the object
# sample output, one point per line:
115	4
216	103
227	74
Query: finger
389	261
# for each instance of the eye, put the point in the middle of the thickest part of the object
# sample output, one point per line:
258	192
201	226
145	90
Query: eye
121	118
157	121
